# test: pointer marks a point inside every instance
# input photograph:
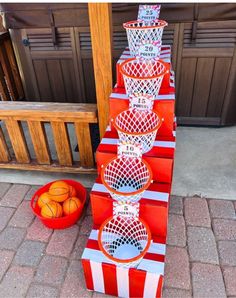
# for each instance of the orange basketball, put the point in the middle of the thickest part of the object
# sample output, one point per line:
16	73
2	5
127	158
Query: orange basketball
59	191
51	210
71	205
72	191
44	199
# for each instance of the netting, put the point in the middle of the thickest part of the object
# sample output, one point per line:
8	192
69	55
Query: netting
126	178
143	76
124	240
138	31
135	126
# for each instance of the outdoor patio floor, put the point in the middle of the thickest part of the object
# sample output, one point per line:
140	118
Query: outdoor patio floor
38	262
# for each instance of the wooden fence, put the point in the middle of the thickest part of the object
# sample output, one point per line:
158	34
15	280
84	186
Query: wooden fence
10	81
18	117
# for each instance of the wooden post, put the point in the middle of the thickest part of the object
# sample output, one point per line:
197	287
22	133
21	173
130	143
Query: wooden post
101	36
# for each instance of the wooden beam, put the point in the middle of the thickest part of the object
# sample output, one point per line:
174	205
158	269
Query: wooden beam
101	36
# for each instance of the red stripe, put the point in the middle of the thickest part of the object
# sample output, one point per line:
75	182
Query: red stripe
93	244
159	288
88	274
110	279
136	282
154	257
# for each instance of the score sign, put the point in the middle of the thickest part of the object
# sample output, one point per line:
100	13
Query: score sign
126	209
142	102
129	150
150	50
149	13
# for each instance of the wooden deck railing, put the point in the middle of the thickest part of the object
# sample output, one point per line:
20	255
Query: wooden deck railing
21	119
10	81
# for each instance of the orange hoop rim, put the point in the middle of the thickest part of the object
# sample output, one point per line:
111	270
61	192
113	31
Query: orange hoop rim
166	70
137	133
130	193
162	24
127	260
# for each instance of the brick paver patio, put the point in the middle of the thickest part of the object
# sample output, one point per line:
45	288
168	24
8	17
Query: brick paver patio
38	262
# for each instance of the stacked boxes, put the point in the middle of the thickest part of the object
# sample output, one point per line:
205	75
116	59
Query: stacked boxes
147	279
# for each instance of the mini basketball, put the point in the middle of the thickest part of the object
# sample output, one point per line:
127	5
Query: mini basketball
44	199
51	210
72	191
59	191
71	205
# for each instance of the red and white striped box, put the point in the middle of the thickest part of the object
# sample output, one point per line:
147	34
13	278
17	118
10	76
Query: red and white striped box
105	277
165	55
153	206
164	104
160	157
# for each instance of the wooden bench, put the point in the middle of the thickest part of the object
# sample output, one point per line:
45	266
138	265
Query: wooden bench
57	115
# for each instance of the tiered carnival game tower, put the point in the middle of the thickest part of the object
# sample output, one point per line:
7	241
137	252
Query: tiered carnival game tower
125	252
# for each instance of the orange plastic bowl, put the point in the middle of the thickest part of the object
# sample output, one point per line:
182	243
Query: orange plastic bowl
64	221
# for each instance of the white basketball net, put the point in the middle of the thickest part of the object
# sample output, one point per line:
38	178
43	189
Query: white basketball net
121	234
143	76
138	127
126	175
138	30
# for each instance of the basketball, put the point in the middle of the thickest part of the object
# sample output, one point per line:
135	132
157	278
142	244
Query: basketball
72	191
44	199
59	191
51	210
71	205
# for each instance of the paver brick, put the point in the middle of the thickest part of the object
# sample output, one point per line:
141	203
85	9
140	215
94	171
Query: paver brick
176	205
37	231
51	270
87	225
224	229
6	257
229	274
207	281
62	241
41	291
227	252
74	282
196	212
175	293
11	238
4	188
5	215
222	209
176	230
29	253
202	245
23	216
31	192
16	282
177	273
14	195
79	247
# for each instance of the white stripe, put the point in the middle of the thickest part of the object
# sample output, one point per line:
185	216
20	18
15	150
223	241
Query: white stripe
148	194
159	97
97	274
174	133
94	235
122	275
156	248
151	266
164	144
150	285
95	255
108	128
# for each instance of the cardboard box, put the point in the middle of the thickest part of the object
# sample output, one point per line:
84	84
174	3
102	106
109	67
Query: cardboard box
160	157
153	206
105	277
164	104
